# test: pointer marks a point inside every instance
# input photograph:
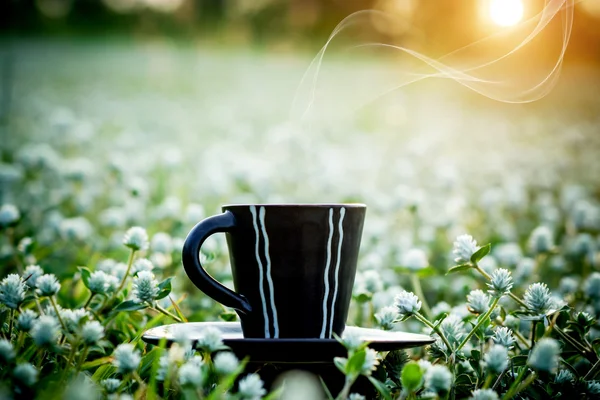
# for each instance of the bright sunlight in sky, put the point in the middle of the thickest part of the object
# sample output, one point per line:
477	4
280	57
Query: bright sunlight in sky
506	12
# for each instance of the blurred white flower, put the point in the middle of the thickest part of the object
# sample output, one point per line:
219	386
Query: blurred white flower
415	259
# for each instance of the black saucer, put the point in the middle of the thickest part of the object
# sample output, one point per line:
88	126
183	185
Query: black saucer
287	350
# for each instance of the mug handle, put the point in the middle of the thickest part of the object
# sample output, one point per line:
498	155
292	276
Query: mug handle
191	262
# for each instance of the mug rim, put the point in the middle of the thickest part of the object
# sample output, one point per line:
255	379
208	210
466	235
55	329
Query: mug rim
296	205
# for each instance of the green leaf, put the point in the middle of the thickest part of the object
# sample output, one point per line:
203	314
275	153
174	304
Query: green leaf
340	363
411	377
85	275
519	360
381	388
421	273
228	316
459	268
363	297
166	284
130	305
355	363
326	389
476	355
481	252
97	362
163	293
439	321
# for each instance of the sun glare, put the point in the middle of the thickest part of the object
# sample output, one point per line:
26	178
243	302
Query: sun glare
506	12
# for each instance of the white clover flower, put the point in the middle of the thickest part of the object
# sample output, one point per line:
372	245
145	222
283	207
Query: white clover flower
372	281
525	269
415	259
26	374
98	282
544	356
107	265
111	385
126	358
161	260
211	339
142	264
503	336
370	363
568	285
25	320
226	363
464	247
351	340
9	215
500	283
453	328
564	376
496	359
73	318
78	229
591	285
593	388
541	240
440	308
438	379
45	331
424	364
7	353
112	283
194	213
191	375
47	285
136	238
31	275
478	301
356	396
164	366
407	304
386	317
537	298
508	254
12	291
145	287
484	394
251	387
161	243
92	332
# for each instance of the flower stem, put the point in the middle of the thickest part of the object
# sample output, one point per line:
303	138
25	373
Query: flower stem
87	303
69	361
516	388
416	284
158	308
129	264
436	329
533	327
109	300
11	317
481	319
510	294
346	389
57	313
591	374
81	359
488	381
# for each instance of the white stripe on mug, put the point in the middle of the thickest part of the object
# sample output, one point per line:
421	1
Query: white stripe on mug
261	272
337	267
326	274
269	279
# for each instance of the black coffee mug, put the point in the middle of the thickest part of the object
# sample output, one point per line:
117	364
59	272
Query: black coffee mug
293	266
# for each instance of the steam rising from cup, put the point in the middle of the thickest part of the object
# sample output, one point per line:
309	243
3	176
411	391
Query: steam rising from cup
515	65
